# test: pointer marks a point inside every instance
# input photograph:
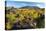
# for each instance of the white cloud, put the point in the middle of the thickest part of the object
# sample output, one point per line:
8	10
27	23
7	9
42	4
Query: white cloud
40	6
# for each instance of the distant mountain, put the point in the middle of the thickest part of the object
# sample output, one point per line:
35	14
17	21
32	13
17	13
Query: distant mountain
30	7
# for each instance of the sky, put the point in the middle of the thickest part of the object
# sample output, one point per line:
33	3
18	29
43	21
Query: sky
19	4
28	0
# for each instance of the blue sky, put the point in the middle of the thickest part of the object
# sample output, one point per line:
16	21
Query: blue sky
22	3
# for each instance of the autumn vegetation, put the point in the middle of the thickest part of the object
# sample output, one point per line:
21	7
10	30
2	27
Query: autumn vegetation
24	18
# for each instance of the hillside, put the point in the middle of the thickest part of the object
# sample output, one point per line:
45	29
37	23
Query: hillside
27	17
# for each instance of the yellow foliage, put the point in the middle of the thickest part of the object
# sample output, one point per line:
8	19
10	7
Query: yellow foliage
21	14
